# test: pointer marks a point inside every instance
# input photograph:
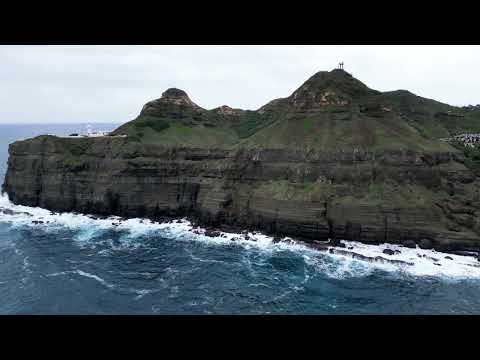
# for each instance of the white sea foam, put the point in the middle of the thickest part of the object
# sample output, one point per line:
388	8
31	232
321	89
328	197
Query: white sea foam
141	293
341	267
85	274
425	262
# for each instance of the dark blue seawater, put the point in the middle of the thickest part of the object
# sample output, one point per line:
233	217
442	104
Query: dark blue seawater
73	264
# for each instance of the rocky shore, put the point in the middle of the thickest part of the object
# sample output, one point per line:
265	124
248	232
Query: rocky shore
334	161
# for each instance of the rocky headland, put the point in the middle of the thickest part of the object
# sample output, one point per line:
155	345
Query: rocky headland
334	160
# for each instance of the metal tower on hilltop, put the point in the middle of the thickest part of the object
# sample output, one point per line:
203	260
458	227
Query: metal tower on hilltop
340	65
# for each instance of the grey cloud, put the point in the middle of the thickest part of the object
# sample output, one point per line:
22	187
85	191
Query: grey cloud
111	83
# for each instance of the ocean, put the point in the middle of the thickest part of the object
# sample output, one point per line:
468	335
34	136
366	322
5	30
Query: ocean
75	264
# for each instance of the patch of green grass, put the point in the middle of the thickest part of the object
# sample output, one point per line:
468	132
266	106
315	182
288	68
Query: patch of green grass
74	154
182	130
251	123
308	124
154	123
76	147
376	190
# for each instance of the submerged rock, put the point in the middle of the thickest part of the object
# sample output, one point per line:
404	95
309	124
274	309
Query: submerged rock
7	211
425	244
276	239
212	233
370	258
410	244
388	252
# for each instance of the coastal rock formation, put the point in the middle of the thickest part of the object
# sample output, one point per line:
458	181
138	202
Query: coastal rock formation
226	110
171	96
335	160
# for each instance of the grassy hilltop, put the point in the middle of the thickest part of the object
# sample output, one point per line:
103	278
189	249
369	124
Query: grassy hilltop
334	160
331	111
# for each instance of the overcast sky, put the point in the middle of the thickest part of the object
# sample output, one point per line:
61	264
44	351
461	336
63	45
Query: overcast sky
47	84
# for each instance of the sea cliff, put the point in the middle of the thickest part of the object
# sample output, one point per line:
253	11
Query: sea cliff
335	160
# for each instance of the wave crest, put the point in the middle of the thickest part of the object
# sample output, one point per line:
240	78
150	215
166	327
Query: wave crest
87	227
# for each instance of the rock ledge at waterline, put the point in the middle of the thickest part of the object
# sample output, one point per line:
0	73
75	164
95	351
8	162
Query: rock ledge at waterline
335	160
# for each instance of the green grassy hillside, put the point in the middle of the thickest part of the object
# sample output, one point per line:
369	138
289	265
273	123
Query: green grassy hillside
331	111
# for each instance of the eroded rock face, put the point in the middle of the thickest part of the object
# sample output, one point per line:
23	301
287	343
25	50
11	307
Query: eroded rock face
312	100
225	110
328	162
177	97
324	89
171	96
241	188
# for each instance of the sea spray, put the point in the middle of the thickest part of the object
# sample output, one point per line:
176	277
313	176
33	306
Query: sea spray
346	264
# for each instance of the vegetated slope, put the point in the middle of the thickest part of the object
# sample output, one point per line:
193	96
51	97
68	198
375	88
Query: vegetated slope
331	111
335	159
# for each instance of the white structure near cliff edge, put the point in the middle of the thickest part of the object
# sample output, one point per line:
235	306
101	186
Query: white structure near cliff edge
470	140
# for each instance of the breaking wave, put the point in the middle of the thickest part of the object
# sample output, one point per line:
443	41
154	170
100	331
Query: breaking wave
89	231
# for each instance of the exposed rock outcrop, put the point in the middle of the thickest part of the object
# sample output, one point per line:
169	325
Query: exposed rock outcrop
215	187
335	160
226	110
171	96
